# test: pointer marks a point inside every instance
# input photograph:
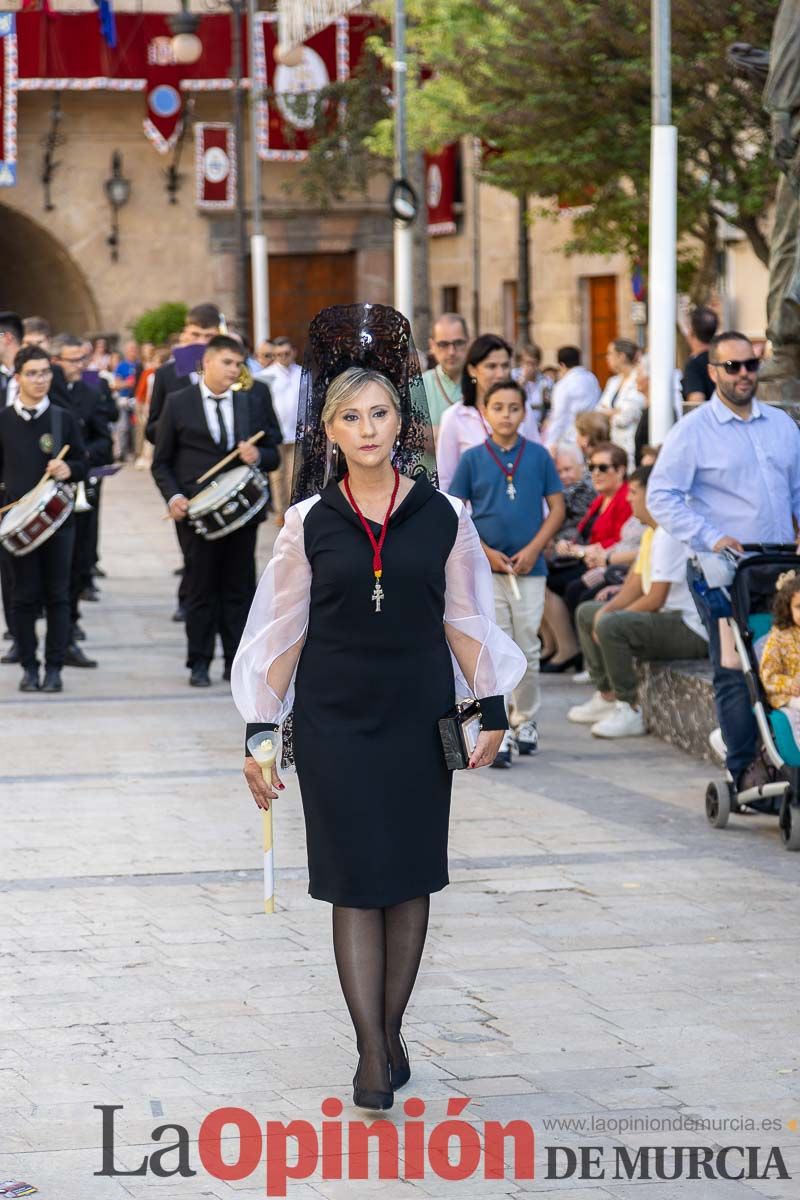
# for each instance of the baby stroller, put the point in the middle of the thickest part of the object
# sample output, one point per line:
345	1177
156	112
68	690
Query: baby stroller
748	601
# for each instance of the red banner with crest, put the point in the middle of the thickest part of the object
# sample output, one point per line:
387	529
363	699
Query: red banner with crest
215	165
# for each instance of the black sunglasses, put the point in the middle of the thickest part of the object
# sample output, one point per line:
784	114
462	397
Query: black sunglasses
601	467
732	366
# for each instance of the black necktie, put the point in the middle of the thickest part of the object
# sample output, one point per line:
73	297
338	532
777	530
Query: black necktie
222	440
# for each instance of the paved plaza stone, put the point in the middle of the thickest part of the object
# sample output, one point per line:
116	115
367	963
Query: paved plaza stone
601	953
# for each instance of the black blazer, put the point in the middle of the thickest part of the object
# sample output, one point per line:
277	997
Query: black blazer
185	447
88	406
166	380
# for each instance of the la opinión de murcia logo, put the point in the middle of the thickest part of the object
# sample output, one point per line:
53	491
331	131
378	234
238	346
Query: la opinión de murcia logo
453	1149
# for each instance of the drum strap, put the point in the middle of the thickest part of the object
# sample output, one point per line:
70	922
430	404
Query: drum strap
56	427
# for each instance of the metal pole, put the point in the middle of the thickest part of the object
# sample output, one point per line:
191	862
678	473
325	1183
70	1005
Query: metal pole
662	291
523	322
241	298
476	239
403	231
259	262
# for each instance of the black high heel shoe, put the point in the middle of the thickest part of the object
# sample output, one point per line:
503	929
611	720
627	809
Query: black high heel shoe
399	1076
366	1098
558	668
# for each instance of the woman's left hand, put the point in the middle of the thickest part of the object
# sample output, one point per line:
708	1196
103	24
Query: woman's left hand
486	749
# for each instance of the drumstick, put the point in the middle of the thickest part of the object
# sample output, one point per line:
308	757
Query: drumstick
61	454
251	441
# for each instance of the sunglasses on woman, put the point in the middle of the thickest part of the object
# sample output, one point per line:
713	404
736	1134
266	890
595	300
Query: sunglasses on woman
601	467
732	366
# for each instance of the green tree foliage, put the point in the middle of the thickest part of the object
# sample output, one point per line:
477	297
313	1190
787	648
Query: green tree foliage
561	89
157	324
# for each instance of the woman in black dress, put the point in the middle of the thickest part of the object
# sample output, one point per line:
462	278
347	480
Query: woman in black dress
374	614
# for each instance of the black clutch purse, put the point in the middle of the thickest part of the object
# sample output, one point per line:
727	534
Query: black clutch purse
459	731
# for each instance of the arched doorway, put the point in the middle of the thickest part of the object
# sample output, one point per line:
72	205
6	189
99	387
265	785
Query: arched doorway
39	276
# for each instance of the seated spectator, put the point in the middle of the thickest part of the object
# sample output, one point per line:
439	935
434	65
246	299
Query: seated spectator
780	661
621	399
578	496
652	617
591	429
597	545
578	491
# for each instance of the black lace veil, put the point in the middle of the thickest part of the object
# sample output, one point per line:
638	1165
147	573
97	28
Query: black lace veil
378	338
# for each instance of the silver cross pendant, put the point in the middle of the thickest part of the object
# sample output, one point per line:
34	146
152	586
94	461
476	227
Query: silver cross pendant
511	491
377	595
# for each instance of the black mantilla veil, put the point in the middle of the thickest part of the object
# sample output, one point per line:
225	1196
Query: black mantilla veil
378	338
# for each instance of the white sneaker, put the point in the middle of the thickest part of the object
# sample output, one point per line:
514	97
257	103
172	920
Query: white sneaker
592	711
503	757
717	744
624	721
527	737
582	677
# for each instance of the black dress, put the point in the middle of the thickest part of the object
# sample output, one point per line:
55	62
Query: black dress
369	691
371	686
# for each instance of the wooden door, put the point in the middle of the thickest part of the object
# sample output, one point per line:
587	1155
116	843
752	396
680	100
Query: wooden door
300	285
602	321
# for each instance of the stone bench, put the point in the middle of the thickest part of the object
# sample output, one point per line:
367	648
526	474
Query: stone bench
677	701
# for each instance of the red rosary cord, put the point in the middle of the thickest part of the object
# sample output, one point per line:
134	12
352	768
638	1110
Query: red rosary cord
511	471
377	543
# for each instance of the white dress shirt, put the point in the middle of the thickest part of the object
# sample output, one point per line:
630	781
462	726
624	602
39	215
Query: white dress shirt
284	384
719	475
212	420
30	414
578	391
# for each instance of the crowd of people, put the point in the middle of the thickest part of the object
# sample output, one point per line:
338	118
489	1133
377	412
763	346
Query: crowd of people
587	528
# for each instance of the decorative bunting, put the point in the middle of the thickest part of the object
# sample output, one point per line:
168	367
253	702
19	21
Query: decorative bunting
215	165
443	190
8	100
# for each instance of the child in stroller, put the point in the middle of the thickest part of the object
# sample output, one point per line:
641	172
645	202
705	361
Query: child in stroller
761	602
780	659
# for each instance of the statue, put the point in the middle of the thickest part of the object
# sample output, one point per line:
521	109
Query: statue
781	71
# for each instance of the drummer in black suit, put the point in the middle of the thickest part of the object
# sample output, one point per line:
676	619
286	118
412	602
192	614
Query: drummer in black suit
198	426
11	333
201	324
91	411
32	431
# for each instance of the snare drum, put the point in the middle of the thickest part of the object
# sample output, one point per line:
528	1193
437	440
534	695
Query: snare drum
229	501
36	516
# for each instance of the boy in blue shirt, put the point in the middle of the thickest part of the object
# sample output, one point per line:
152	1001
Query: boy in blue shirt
507	481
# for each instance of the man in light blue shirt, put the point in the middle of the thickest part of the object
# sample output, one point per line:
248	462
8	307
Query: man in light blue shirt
729	474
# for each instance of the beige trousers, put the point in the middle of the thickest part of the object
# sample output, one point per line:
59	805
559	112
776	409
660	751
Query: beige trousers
280	482
521	619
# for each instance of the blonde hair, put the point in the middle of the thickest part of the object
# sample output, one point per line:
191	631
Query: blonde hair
594	426
350	384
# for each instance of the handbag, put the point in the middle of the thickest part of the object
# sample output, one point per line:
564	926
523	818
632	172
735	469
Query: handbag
459	729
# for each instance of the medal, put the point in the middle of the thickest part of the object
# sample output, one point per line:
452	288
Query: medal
508	469
378	594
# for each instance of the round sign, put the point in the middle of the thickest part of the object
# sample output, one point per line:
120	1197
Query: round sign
216	164
296	88
164	100
434	186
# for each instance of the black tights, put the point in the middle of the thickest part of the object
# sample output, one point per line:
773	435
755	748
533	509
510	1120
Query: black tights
378	952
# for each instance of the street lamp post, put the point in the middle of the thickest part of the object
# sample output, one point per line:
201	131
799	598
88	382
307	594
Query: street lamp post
403	201
118	192
242	296
259	263
663	228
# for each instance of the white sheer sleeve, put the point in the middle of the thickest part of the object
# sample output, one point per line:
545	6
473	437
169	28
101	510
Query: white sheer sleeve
262	678
486	661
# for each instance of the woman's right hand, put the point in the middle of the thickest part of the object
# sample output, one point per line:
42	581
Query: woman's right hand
262	791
